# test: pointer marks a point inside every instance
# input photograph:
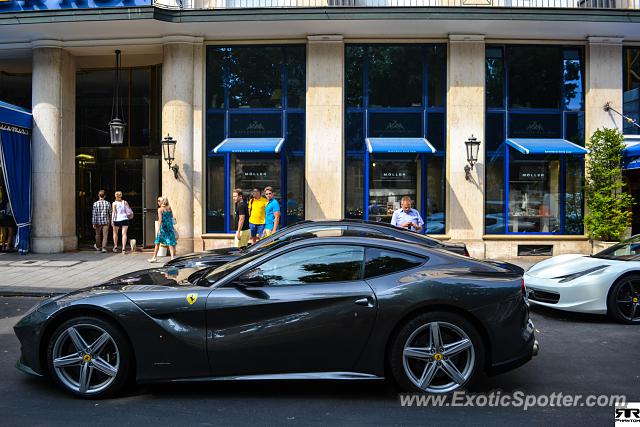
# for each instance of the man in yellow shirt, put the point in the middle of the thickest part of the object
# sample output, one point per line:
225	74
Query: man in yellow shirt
257	215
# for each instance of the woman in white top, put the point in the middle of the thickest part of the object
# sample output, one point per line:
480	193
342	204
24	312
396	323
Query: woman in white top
120	219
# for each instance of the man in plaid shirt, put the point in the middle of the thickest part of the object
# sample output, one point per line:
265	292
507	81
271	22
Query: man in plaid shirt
101	219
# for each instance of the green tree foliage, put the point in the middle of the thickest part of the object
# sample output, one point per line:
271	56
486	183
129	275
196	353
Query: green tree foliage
608	205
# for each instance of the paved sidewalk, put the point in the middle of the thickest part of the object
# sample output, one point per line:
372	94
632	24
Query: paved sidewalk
45	274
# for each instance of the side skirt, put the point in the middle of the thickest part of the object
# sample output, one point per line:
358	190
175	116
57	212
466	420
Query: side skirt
292	376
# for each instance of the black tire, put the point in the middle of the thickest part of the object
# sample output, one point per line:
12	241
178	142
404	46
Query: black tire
627	287
473	365
113	357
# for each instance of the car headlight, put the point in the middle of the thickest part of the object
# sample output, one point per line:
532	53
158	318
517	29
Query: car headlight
573	276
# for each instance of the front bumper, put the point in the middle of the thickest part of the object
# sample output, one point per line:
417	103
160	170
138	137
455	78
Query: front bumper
29	331
584	294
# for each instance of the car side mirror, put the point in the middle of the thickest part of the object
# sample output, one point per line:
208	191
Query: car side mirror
251	279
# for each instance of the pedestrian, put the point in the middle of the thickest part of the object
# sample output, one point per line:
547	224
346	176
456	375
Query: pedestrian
272	212
257	207
166	234
241	220
406	217
120	216
101	220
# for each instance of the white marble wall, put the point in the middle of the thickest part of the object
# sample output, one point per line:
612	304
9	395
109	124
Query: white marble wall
53	149
324	193
603	83
465	117
178	121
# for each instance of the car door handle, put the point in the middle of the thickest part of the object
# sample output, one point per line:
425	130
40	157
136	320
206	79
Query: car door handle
367	302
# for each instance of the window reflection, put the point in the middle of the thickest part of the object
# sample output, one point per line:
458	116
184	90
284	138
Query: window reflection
631	85
534	193
395	76
390	179
254	77
380	262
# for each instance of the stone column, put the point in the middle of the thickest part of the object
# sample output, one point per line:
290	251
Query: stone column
324	157
53	148
199	148
465	117
603	83
177	121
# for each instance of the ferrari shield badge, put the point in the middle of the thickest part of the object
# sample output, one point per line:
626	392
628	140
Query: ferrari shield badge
191	298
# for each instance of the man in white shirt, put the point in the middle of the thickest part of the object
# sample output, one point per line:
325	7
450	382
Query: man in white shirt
406	217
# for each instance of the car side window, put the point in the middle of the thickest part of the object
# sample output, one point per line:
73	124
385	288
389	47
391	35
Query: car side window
317	264
379	262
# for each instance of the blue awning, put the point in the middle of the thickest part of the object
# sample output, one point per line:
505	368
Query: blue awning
546	146
633	163
249	145
399	145
632	151
12	115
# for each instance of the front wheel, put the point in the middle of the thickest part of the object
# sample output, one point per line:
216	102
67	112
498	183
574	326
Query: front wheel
623	303
89	357
437	352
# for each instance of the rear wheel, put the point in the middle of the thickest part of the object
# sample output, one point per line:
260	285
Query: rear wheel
437	352
623	302
89	357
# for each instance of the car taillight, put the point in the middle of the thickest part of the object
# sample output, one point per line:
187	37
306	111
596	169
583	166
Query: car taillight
523	287
466	252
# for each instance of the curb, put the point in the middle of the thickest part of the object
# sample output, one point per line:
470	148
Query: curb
11	291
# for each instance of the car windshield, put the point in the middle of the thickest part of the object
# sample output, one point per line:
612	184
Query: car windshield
629	250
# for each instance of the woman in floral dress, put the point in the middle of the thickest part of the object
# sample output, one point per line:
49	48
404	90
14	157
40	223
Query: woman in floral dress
166	234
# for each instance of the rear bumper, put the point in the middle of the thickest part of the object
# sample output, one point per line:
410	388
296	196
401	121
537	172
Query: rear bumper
530	349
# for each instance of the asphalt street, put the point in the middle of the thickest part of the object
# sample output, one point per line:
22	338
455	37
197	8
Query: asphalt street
579	355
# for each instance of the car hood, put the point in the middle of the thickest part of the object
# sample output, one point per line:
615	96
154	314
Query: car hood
563	265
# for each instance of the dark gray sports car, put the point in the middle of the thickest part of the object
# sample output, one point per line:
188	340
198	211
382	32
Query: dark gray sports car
317	308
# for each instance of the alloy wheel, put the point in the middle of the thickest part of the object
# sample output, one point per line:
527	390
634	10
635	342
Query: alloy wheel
85	359
438	357
628	299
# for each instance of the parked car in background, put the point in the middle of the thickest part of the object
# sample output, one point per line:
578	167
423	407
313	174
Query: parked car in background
605	283
312	308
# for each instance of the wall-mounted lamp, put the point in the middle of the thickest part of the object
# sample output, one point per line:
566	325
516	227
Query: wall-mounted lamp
607	107
473	146
169	153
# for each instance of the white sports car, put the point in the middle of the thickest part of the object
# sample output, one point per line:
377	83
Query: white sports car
605	283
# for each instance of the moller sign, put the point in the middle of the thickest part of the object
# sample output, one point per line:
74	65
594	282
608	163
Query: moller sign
39	5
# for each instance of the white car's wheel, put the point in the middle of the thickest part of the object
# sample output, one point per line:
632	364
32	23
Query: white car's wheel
623	303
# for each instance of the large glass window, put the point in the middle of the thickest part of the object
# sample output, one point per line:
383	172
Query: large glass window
533	193
15	88
255	92
319	264
395	91
94	98
631	87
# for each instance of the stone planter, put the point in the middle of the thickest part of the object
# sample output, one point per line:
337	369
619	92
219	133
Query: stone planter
599	245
